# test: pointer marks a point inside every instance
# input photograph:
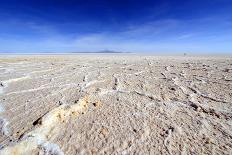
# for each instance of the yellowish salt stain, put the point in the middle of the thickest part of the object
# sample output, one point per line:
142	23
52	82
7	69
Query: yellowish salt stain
50	127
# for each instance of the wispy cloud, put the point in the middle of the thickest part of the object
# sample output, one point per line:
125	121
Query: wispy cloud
151	28
186	36
151	36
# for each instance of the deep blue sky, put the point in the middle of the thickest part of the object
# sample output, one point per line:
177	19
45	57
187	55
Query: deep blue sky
127	25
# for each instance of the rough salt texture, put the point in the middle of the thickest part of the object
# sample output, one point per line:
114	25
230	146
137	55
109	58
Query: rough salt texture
115	105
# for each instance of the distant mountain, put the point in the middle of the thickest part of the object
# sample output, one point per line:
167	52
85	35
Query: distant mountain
110	51
103	51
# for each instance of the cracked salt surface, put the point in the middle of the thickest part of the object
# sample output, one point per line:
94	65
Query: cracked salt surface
115	105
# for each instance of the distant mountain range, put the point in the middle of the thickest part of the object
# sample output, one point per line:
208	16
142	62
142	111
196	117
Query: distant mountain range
104	51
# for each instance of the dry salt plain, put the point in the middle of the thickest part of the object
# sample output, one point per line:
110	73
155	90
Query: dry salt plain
115	105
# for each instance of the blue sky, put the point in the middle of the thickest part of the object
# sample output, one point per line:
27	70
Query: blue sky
194	26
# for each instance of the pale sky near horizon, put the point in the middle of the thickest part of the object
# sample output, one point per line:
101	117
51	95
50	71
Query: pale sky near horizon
162	26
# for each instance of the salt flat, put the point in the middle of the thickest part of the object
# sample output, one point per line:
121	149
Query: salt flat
89	104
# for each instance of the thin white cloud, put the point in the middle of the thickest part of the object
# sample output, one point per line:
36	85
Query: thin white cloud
151	28
186	36
134	38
